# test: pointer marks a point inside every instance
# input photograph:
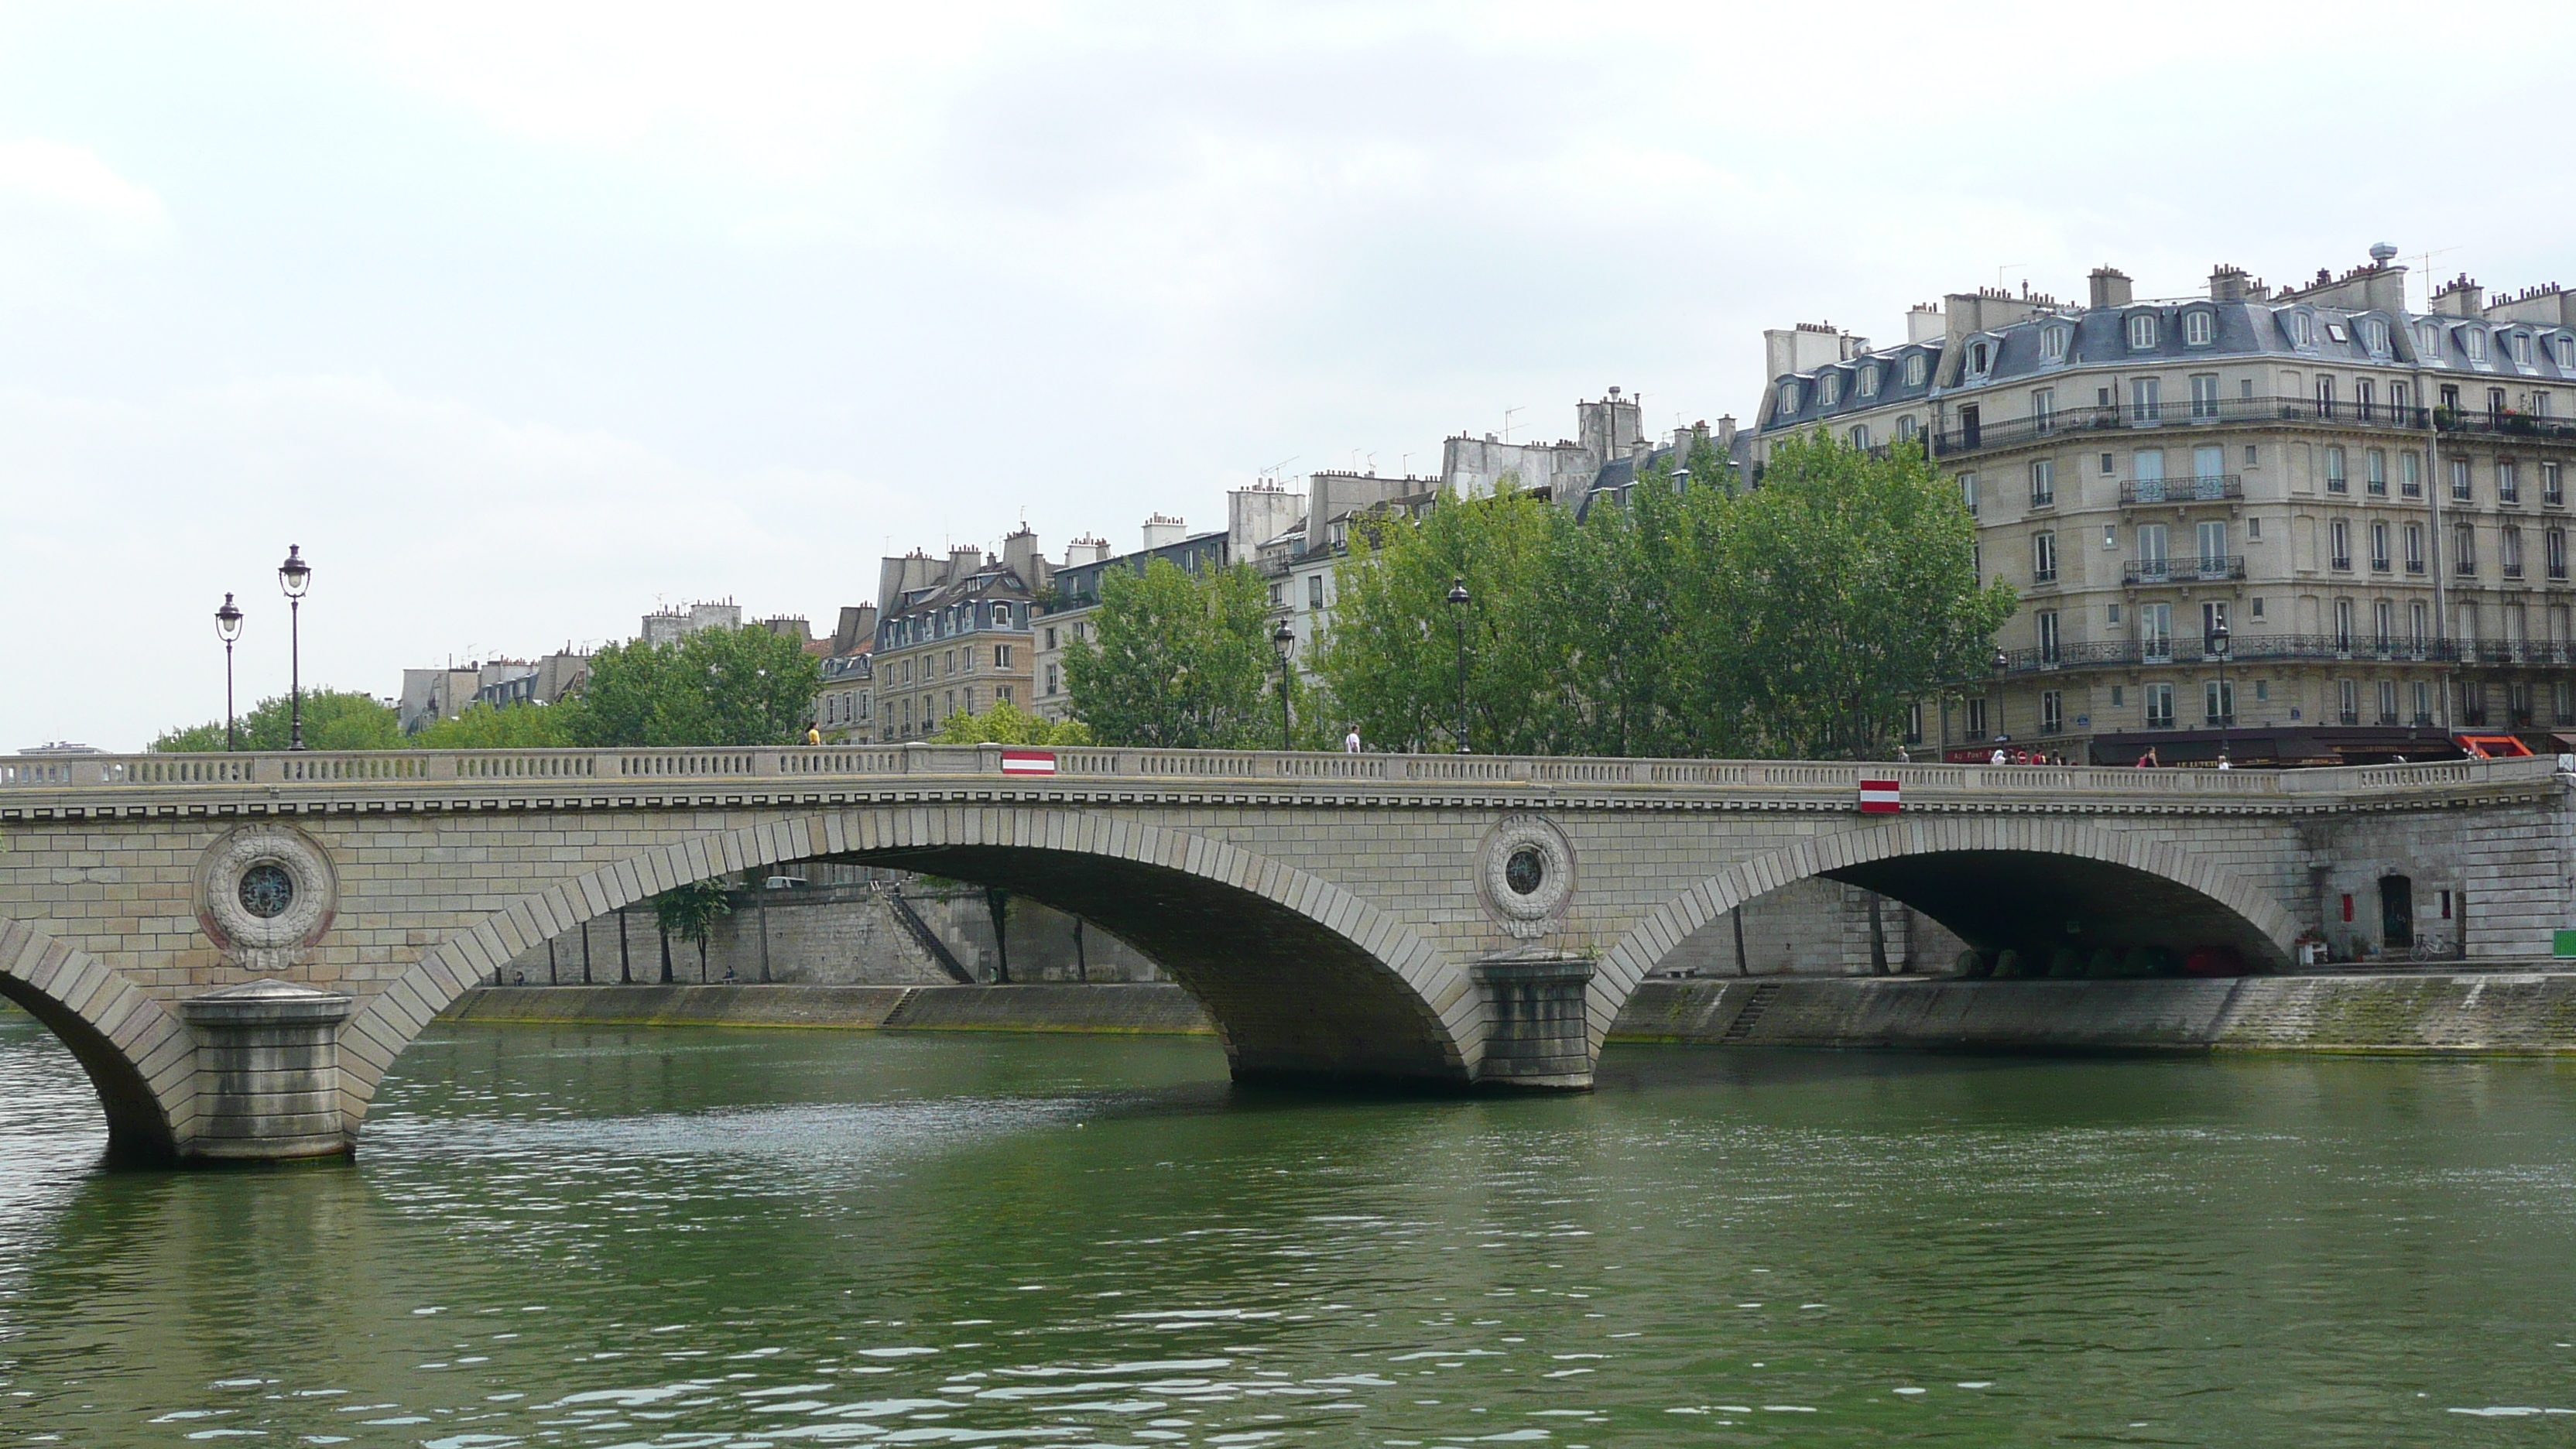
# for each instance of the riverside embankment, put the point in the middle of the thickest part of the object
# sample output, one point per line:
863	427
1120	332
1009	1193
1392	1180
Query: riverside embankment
2465	1012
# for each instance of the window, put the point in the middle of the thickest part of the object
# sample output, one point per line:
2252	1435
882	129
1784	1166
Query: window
2460	480
1980	354
2348	701
1001	694
2197	329
1829	389
2043	560
1788	397
1973	718
2508	481
2388	701
2052	343
1054	679
1314	591
2410	474
2204	397
2495	402
2113	616
2428	341
2383	625
1860	437
2423	693
2509	552
1869	382
2258	608
2414	548
2553	547
2155	633
2343	626
2046	620
2043	483
2379	560
2473	340
1968	492
2374	336
2218	702
2464	552
2522	349
1050	634
2336	482
2567	354
2043	408
2142	330
2254	530
1001	656
2325	396
2108	468
2116	693
1914	370
2553	483
2339	543
2159	705
1905	429
2252	455
2213	548
2052	712
2303	329
2365	396
2374	472
2143	392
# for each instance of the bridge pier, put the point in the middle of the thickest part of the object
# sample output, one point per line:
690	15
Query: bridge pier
1537	1029
268	1072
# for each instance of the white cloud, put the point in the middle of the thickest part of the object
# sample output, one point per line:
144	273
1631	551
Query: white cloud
73	179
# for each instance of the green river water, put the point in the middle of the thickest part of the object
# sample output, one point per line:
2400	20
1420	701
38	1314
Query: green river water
614	1237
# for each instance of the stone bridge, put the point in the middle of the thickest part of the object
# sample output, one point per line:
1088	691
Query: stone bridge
237	947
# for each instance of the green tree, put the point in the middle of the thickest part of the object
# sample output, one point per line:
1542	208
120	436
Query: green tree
1687	618
334	719
1008	724
690	912
715	687
1182	662
518	727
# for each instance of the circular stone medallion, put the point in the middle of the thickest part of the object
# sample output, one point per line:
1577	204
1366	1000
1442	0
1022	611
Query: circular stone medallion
1525	874
265	894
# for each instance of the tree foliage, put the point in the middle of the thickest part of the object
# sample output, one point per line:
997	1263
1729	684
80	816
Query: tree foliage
690	912
1797	619
715	687
515	727
334	719
1183	662
1008	724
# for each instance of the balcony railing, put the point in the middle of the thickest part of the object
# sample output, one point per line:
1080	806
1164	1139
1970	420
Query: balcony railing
2505	424
2247	648
2207	568
2213	488
2205	412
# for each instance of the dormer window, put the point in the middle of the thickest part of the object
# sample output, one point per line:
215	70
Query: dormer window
1869	382
1829	389
2303	329
2428	341
1914	370
2566	347
1788	397
2374	336
2052	343
2474	341
2522	349
2142	330
2198	328
1980	354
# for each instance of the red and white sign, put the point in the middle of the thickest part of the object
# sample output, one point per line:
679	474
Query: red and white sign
1028	762
1878	797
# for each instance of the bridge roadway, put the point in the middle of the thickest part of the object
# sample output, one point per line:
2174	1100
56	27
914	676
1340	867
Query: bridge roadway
238	946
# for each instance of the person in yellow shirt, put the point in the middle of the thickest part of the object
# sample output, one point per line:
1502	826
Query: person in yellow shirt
813	735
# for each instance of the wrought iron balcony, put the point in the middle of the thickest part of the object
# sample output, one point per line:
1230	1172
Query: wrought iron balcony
2247	648
2186	413
2213	488
2508	424
2198	568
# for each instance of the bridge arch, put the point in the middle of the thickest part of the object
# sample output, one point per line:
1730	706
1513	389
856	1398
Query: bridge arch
1997	881
1301	977
137	1053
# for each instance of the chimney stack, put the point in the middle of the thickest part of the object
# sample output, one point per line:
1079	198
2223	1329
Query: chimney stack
2110	287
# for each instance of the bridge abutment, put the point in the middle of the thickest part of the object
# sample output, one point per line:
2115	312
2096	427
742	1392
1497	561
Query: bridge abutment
268	1072
1537	1023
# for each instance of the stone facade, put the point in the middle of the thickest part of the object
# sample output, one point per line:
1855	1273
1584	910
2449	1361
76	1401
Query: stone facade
1328	909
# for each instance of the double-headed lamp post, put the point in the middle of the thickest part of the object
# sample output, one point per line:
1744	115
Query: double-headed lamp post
228	622
294	576
2218	646
1284	639
1458	613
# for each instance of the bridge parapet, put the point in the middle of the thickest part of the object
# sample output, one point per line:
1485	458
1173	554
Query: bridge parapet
1926	785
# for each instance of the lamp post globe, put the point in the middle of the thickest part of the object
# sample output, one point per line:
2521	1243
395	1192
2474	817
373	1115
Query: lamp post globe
1284	639
228	627
293	577
1458	613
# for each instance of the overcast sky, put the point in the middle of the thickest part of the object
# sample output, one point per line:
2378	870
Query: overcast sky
521	318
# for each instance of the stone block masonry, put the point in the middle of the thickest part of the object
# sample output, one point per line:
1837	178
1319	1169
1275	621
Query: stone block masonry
1329	910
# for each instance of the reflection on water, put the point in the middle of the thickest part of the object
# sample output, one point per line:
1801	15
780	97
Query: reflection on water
714	1238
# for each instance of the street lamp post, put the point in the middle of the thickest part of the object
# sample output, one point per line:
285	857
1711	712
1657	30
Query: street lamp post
2217	645
1458	613
1284	639
2001	662
294	576
228	622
